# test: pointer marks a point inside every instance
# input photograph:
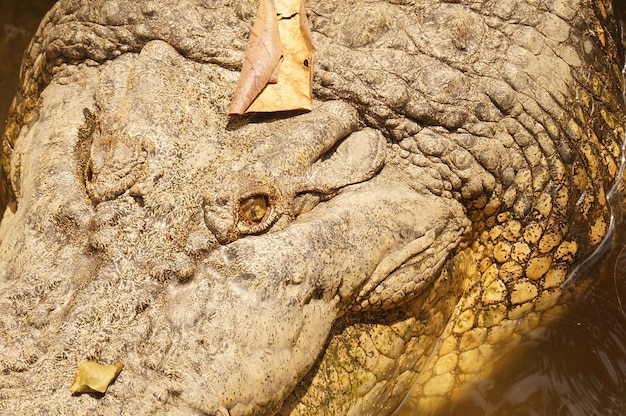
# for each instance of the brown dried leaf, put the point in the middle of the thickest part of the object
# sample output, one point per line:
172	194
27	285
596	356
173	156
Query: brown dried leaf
285	84
91	377
263	56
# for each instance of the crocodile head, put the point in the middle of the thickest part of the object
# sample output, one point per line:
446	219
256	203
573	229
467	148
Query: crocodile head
287	263
213	254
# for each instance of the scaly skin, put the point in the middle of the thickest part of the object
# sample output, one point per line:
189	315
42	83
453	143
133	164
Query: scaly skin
424	216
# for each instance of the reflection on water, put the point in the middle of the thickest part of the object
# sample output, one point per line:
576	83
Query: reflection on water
575	367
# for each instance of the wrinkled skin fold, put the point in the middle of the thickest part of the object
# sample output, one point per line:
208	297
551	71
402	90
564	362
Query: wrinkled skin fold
455	168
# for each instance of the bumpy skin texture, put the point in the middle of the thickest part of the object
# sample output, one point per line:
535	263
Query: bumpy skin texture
423	216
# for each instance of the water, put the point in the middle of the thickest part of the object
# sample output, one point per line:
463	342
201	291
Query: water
575	367
18	21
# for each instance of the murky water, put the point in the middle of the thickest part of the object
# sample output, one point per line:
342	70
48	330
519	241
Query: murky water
575	367
18	21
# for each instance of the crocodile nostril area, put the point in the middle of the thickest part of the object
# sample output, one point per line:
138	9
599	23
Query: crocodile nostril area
116	164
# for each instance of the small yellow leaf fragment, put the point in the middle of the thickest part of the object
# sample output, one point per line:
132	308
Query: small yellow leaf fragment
91	377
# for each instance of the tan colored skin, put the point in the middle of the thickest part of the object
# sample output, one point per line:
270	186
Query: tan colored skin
481	143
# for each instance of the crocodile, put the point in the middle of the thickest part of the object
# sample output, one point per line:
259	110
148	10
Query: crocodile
384	248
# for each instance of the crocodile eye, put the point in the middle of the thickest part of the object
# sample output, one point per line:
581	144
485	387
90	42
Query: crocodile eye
254	209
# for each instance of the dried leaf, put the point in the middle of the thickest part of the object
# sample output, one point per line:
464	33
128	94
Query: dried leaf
277	73
91	377
262	60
